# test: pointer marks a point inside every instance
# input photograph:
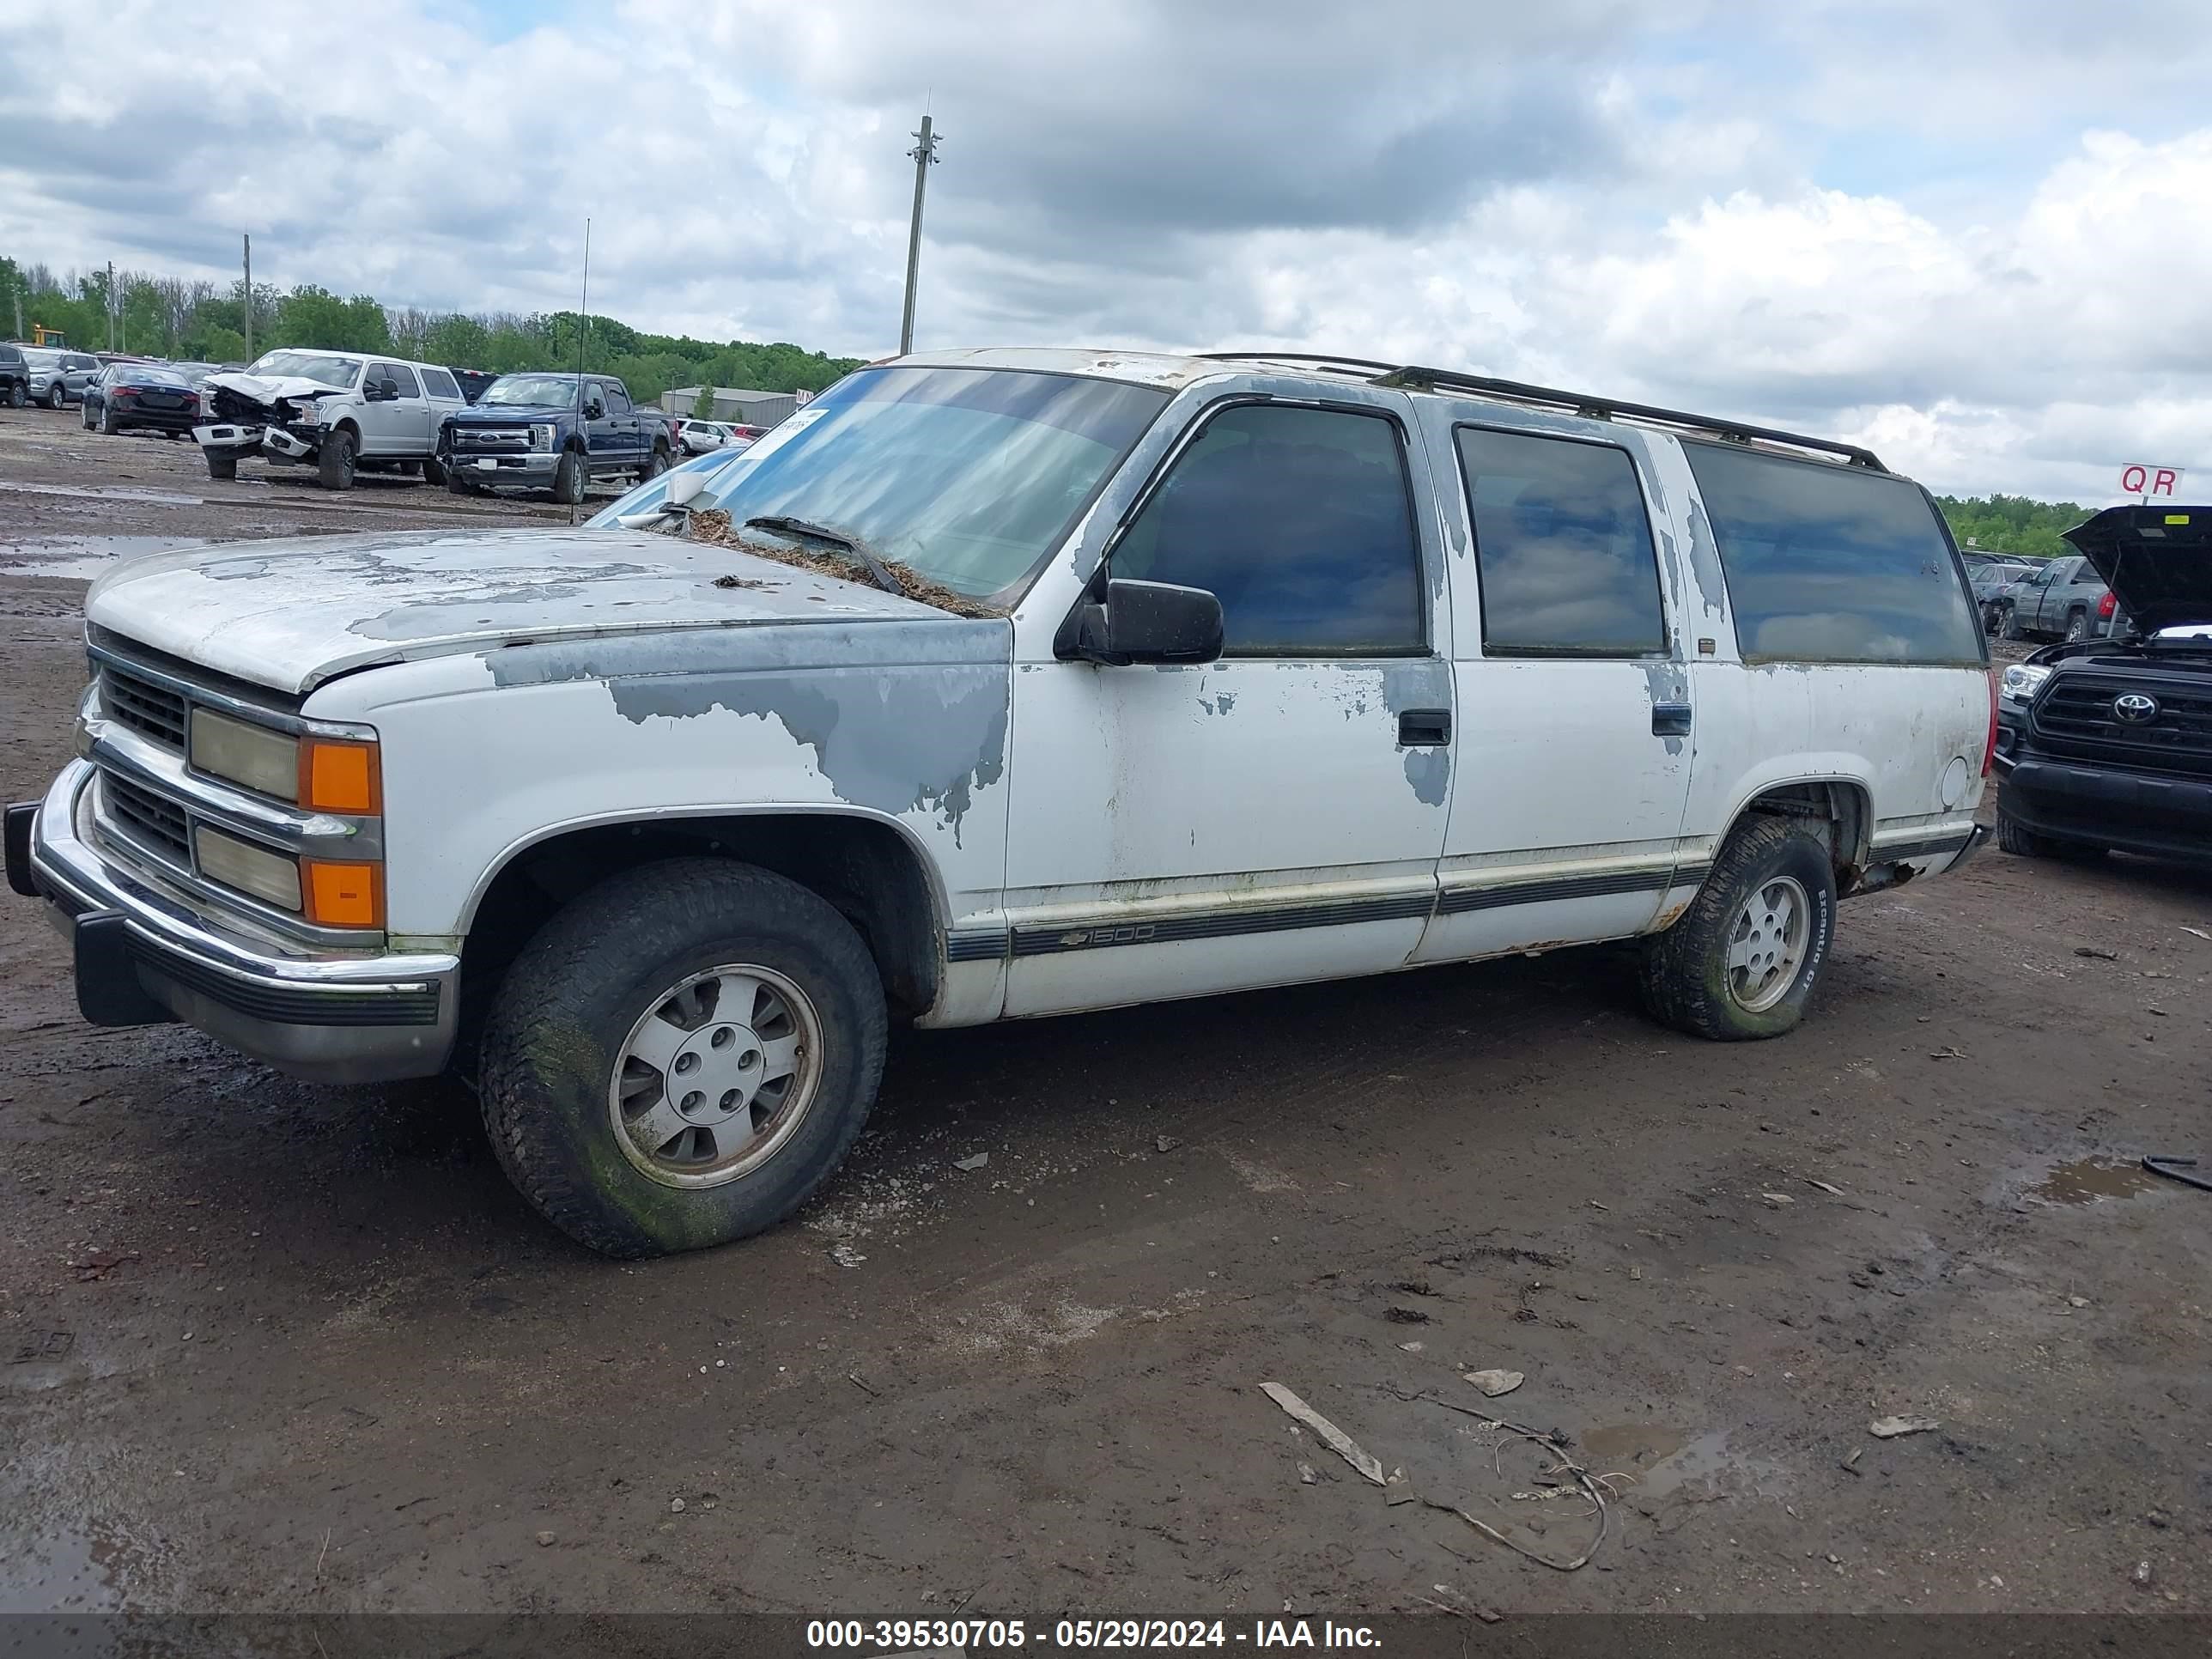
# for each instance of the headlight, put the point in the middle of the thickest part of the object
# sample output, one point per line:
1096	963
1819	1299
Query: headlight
242	752
2021	680
541	437
330	775
260	871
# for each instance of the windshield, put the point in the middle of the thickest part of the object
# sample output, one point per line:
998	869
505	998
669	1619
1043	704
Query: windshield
552	390
968	477
317	365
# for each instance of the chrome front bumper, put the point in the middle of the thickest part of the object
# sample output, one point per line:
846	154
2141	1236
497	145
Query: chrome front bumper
143	955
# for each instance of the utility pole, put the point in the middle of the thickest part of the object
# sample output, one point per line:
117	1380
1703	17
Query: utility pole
249	299
111	305
924	154
16	285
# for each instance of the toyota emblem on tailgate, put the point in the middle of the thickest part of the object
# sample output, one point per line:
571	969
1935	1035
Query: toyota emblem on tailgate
2135	709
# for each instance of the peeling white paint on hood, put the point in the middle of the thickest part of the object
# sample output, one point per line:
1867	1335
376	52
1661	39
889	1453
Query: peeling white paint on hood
290	614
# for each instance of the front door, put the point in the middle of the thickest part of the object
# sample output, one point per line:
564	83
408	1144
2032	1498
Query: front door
1572	757
1272	817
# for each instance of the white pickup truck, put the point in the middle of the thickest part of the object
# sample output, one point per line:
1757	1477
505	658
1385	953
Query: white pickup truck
1003	684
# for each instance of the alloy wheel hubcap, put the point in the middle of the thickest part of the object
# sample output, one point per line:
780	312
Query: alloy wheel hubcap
716	1076
1767	946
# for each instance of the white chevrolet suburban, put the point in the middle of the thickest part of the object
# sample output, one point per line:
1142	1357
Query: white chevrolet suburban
1003	684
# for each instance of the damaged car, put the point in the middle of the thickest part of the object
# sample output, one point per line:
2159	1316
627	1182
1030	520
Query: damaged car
2106	745
341	413
997	684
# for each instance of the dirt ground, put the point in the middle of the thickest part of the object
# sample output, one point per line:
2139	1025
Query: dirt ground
272	1346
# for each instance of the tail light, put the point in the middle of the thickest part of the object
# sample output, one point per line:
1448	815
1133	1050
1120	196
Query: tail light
123	391
2108	605
1989	749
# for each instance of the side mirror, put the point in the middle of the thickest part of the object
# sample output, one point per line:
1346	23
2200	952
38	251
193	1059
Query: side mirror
1145	623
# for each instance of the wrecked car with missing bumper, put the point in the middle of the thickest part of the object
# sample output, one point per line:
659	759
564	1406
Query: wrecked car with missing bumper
995	684
338	412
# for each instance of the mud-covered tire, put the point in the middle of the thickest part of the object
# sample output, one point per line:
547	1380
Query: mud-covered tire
433	470
335	461
2009	627
569	478
2077	625
1686	977
559	1023
222	468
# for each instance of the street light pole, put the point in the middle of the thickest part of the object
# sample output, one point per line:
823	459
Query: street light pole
924	153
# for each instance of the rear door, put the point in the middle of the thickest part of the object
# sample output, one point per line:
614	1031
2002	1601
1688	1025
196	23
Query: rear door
1573	751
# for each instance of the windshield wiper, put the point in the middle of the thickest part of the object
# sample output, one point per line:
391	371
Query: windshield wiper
844	541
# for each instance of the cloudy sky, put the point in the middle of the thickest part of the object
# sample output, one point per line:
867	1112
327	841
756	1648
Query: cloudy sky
1970	232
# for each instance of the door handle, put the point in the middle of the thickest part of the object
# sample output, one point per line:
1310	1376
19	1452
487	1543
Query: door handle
1424	727
1670	719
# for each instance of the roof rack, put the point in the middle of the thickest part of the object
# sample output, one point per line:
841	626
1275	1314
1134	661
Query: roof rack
1413	377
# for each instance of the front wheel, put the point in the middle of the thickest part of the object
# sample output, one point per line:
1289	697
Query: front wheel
569	479
433	470
56	399
222	468
682	1056
335	460
1742	961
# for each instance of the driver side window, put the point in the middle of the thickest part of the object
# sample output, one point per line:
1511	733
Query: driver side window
1300	522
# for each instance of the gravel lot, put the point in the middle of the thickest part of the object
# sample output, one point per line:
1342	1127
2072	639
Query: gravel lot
277	1346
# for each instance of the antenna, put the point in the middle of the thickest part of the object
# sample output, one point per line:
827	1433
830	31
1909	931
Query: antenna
583	321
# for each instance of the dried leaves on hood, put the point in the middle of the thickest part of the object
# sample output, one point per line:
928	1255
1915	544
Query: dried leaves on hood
714	527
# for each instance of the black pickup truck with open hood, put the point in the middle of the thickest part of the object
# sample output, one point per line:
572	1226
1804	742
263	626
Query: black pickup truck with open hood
2107	744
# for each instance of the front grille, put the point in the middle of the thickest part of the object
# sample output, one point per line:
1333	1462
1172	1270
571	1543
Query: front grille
150	710
154	822
2076	713
492	438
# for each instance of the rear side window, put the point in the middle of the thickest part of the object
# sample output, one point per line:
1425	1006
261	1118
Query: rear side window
1828	563
439	383
1563	547
1300	522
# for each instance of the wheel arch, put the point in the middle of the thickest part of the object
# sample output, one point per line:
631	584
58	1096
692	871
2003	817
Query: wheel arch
867	866
1838	808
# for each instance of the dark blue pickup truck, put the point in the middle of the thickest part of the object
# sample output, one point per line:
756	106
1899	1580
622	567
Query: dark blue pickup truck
534	431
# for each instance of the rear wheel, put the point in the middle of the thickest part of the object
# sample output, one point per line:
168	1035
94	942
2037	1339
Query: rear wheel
2077	625
1742	961
336	460
682	1056
19	393
2009	622
107	424
655	464
569	479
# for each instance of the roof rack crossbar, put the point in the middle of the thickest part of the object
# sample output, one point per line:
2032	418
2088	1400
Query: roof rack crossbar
1414	376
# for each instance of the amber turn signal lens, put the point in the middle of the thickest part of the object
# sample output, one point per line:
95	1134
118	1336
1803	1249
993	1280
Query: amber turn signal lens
343	895
338	777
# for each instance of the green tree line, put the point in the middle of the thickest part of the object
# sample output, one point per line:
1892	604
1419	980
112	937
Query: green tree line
2011	524
192	320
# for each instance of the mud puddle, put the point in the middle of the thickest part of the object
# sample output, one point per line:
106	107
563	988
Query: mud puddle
82	558
107	493
2092	1180
1666	1461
